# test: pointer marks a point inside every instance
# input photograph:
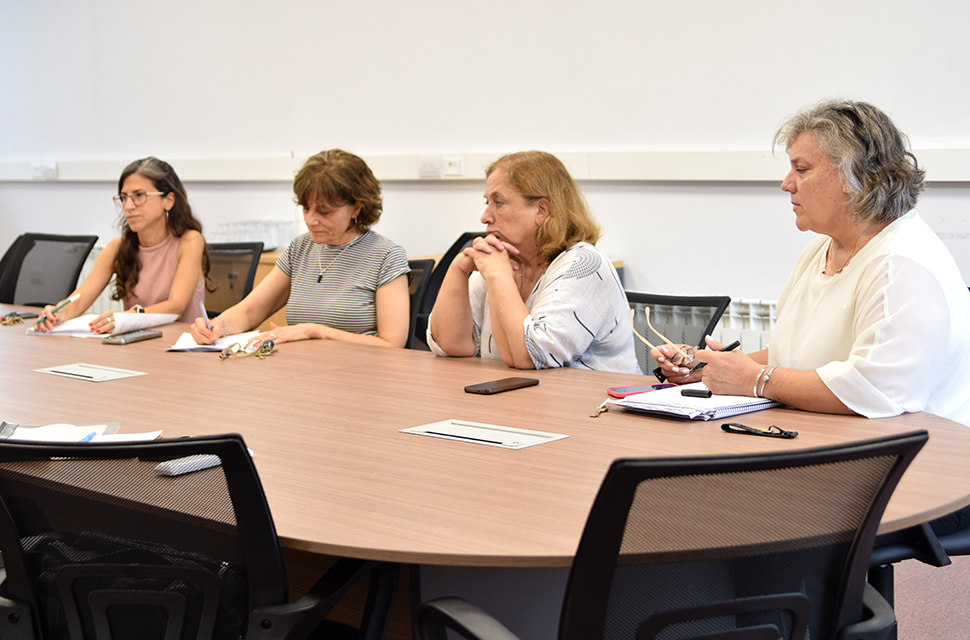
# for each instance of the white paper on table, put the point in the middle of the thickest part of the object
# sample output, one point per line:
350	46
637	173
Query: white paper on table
124	323
78	433
90	372
187	343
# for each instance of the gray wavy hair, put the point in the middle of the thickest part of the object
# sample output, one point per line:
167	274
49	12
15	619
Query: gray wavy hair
881	175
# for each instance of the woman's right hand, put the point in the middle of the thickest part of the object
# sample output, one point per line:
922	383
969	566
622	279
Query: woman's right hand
47	319
671	364
202	334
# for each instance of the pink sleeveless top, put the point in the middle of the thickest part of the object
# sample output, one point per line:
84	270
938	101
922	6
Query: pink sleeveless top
158	265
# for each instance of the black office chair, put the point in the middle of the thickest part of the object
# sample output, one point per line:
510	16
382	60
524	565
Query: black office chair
916	543
95	544
417	289
752	547
682	319
434	284
232	269
41	268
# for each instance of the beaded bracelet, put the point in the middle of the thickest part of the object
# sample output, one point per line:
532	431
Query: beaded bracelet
225	325
756	380
764	383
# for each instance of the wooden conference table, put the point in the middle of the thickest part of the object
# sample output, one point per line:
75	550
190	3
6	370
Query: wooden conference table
323	419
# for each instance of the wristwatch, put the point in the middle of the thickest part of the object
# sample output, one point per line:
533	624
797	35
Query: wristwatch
139	308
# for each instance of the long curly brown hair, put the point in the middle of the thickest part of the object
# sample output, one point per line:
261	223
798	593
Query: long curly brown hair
178	219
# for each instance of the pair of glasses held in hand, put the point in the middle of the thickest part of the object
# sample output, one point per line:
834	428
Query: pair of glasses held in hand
682	357
255	347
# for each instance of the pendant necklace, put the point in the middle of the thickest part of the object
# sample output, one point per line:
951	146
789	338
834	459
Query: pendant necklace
340	252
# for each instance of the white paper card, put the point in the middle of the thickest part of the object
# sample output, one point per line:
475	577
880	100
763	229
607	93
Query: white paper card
90	372
487	434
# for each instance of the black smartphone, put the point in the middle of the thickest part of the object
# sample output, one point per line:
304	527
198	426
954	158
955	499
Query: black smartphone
133	336
498	386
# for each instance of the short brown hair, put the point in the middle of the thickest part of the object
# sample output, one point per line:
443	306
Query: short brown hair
536	175
880	174
340	178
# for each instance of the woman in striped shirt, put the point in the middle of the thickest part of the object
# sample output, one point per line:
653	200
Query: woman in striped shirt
341	281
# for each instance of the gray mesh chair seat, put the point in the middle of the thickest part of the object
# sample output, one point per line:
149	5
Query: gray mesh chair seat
40	268
754	547
232	270
96	545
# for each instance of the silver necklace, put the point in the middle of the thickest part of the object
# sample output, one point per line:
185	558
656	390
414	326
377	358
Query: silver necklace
340	252
320	262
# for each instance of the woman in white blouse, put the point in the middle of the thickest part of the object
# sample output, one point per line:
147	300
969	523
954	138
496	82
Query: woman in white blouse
534	291
875	318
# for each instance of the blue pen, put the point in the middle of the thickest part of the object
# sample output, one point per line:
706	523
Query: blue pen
205	317
89	437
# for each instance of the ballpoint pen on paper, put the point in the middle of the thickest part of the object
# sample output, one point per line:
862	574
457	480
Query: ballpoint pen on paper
731	347
59	307
205	317
89	437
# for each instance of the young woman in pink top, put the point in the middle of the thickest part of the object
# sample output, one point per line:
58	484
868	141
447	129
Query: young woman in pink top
160	262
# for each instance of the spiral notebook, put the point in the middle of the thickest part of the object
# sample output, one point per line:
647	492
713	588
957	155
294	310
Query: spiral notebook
671	403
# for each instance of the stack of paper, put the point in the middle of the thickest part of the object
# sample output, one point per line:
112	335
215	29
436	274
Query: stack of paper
72	433
124	323
670	402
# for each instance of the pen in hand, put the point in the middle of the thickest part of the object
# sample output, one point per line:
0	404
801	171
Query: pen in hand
59	307
205	316
731	347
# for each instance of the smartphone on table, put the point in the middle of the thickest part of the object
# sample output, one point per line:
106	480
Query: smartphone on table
622	392
498	386
133	336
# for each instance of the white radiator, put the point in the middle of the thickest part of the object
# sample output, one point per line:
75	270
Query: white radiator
103	302
749	320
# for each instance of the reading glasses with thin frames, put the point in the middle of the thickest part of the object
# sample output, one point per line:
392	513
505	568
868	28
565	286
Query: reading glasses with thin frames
138	198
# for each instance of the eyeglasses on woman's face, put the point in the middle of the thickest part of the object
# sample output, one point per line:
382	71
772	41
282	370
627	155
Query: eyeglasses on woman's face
137	198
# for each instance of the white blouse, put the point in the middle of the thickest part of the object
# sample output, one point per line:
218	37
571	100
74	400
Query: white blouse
578	315
888	335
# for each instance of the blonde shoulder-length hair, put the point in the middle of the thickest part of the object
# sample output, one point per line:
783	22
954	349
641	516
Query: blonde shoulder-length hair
536	175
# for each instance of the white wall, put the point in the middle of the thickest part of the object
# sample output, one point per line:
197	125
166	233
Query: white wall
112	80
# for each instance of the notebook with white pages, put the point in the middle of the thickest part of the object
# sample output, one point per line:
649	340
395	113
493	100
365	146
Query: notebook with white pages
187	343
670	402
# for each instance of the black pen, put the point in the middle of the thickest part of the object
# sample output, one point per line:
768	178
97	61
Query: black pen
731	347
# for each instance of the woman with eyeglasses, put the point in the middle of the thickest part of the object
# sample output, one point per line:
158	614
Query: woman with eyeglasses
160	262
534	292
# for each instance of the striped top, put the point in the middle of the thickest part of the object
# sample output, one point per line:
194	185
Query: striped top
336	285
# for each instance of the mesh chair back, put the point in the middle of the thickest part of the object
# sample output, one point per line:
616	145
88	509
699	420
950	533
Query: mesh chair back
98	545
40	269
682	319
232	269
434	284
770	543
417	288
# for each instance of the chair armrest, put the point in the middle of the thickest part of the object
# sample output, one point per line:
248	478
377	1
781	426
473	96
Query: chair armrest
435	616
298	619
881	623
922	545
